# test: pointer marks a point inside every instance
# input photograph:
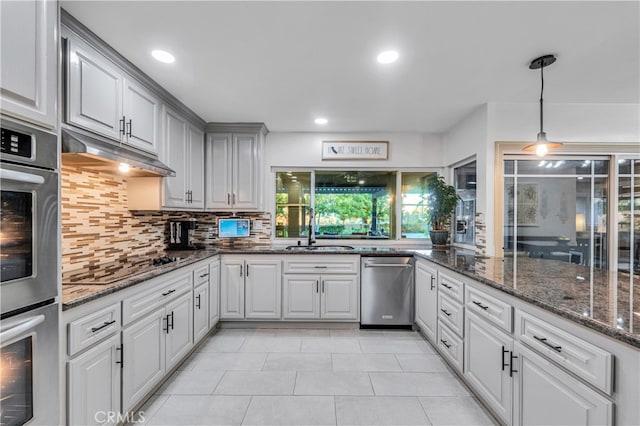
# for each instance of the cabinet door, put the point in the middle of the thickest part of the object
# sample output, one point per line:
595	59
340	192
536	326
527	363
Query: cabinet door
547	395
28	54
232	289
144	357
426	300
263	289
94	383
196	168
214	293
245	172
200	312
94	86
487	361
175	141
218	171
179	338
339	297
301	297
142	114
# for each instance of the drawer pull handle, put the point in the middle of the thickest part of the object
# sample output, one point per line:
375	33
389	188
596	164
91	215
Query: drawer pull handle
445	312
444	342
446	286
320	267
166	293
480	305
105	324
545	342
204	275
504	352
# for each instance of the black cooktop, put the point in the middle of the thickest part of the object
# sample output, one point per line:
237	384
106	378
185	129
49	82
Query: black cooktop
109	273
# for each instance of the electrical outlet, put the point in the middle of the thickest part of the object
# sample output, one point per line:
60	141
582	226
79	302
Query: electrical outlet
257	224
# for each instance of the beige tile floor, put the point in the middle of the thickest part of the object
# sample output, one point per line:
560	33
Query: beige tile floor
314	377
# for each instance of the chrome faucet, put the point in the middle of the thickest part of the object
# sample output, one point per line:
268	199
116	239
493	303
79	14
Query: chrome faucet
312	233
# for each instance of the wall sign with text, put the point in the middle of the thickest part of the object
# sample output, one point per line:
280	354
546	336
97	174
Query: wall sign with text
355	150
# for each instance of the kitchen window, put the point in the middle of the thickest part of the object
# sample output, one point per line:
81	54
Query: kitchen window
351	204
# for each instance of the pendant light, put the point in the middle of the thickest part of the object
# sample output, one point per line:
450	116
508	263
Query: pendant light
542	145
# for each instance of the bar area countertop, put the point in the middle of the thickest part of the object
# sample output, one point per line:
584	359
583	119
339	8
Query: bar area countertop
597	299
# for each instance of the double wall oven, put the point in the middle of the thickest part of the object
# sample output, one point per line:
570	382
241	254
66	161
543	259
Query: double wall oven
29	216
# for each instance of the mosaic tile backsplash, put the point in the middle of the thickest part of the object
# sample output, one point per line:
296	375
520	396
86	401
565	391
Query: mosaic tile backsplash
98	228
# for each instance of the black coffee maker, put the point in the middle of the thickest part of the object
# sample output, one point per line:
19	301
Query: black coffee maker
179	238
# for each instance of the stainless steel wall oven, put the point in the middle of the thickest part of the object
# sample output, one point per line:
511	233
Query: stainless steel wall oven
29	316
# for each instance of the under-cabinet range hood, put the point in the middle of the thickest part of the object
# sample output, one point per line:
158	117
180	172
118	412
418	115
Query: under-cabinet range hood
91	152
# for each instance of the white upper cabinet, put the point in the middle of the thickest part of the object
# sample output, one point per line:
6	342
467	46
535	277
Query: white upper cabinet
233	166
94	84
183	152
142	111
28	54
103	98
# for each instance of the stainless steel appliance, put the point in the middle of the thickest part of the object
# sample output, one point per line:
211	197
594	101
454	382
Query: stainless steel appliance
30	367
28	216
29	356
386	291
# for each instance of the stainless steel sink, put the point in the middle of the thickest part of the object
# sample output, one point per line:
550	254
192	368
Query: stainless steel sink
319	248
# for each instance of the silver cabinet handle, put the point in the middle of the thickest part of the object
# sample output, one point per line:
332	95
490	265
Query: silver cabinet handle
388	265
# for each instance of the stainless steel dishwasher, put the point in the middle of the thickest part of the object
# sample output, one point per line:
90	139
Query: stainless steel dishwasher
386	291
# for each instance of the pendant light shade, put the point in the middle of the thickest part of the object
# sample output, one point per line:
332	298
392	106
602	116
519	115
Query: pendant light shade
542	145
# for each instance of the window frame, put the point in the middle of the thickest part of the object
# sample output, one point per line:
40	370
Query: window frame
396	241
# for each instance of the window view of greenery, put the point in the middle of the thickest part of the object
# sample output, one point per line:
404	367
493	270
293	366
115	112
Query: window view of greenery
293	198
350	204
415	211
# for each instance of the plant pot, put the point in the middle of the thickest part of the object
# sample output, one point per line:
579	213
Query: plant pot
439	238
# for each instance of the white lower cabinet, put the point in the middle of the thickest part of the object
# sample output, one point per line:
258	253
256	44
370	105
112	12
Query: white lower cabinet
200	311
547	395
320	296
155	343
426	302
144	357
214	293
94	384
250	287
488	364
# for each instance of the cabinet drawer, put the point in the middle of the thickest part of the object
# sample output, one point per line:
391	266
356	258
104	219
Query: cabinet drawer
309	264
141	304
493	310
451	287
92	328
201	275
450	345
587	361
451	313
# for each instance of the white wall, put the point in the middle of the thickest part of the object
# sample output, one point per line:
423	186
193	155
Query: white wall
291	150
477	133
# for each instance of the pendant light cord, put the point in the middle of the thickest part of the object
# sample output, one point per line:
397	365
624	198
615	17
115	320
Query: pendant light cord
541	91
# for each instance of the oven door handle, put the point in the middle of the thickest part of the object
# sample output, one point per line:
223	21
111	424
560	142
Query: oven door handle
21	328
20	177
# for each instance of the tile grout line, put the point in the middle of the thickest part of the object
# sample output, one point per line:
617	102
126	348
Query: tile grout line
244	416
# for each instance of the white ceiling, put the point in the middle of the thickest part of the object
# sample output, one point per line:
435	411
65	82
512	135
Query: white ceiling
285	63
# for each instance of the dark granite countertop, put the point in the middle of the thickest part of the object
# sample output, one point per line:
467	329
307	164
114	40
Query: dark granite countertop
597	299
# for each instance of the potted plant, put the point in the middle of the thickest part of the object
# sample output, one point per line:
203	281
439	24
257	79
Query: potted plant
442	203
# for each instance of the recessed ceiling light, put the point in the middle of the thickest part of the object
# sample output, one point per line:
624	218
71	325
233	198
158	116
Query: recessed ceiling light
163	56
388	56
321	120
